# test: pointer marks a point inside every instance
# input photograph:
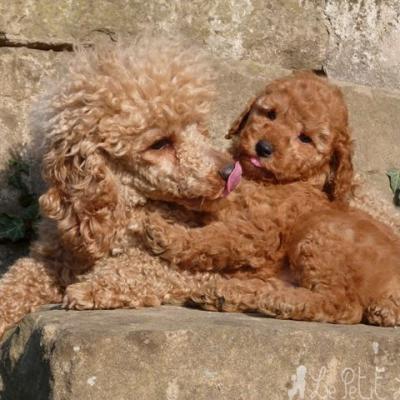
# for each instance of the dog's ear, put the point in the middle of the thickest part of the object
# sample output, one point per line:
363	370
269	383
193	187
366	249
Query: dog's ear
340	184
240	122
83	197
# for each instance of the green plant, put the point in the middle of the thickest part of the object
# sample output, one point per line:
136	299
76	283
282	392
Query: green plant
21	226
394	177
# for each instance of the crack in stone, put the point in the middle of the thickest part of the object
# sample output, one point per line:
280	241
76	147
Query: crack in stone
35	45
321	71
332	37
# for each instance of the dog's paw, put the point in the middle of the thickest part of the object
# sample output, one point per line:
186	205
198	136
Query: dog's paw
154	241
383	313
79	296
277	306
155	235
268	308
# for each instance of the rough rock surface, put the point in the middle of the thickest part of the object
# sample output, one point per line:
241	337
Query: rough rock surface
289	33
354	40
177	354
364	41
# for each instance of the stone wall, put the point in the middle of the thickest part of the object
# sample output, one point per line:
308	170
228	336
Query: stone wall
354	40
173	353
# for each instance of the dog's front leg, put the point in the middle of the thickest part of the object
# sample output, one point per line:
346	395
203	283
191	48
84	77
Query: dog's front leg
303	304
28	284
128	283
215	247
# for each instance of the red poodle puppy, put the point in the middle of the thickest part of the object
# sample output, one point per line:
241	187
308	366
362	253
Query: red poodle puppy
289	250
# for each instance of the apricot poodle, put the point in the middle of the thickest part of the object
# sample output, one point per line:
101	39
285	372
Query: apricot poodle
311	258
124	129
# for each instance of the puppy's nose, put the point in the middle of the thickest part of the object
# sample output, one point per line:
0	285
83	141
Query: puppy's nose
264	148
226	171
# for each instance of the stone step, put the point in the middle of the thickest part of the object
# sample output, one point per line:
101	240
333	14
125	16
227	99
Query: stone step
173	353
329	34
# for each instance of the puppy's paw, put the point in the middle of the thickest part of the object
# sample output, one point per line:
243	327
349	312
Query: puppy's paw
79	296
386	312
278	306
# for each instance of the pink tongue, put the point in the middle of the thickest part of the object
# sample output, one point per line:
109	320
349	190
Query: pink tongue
234	179
255	161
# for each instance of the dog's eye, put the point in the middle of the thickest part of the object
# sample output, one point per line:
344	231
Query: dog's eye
304	138
161	144
271	114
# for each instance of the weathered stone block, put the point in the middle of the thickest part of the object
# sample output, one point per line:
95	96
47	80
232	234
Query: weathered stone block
289	33
354	40
177	354
375	121
364	41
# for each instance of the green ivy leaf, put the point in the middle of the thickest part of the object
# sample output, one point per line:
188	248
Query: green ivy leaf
11	228
31	213
394	177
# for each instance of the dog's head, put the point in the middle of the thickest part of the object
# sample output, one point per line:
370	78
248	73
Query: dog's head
126	125
296	129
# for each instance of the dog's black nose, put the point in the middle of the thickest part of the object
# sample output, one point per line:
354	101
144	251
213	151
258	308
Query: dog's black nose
226	171
264	149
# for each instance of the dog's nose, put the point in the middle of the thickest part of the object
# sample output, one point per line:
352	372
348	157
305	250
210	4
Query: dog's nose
226	171
264	148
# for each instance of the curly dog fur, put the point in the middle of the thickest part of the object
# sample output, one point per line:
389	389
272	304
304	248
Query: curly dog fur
308	258
124	129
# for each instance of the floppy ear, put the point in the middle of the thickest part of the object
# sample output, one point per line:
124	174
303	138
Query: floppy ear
240	122
340	183
83	198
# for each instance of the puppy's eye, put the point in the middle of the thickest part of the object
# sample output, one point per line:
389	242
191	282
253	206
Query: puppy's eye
161	144
304	138
271	114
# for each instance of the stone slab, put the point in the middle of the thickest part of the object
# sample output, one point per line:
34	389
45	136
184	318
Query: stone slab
174	353
357	40
364	41
288	33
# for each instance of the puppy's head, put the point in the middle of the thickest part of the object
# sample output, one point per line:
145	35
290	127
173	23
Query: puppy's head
125	125
296	129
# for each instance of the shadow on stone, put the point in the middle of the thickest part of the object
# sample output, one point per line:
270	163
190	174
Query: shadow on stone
24	367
